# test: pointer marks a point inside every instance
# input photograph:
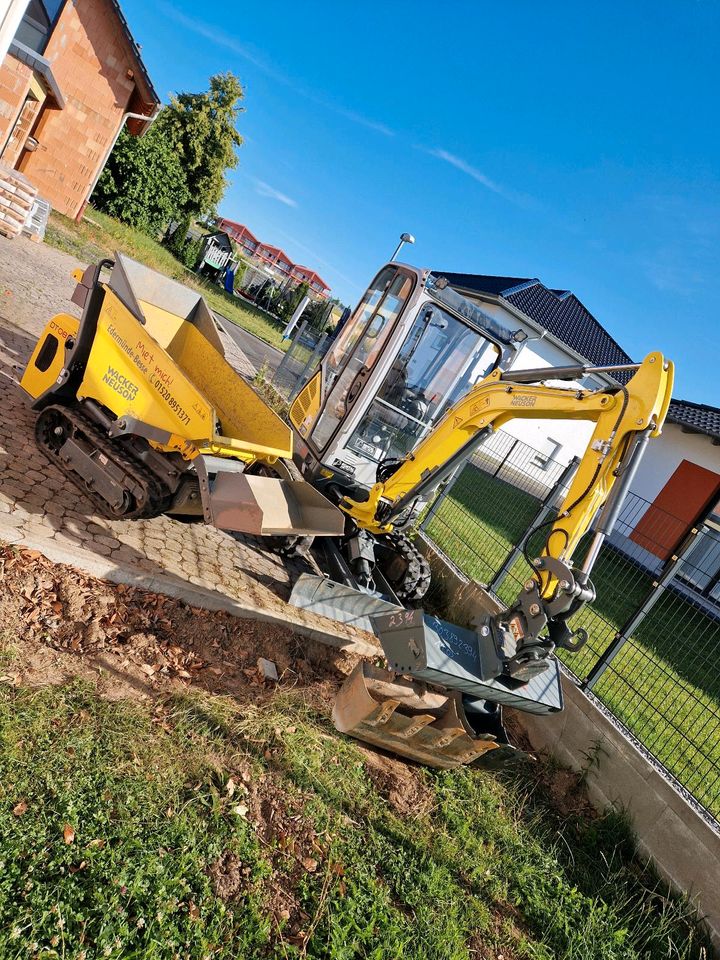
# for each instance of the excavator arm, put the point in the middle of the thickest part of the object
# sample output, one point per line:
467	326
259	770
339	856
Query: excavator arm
523	636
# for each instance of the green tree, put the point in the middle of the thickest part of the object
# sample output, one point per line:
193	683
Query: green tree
202	127
178	170
143	183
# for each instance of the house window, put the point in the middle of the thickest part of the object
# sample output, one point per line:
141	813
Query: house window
702	567
37	23
543	460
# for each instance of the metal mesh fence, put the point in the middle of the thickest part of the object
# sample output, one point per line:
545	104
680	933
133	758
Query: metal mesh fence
490	504
654	630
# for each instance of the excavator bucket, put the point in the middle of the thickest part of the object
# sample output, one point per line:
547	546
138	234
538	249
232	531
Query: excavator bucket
405	718
338	602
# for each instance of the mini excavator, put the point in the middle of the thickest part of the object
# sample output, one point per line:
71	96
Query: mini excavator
416	382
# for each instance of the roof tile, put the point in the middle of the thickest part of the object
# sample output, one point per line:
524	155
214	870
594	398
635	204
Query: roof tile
698	417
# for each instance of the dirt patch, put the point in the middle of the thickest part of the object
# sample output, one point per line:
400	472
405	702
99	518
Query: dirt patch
402	784
228	877
58	623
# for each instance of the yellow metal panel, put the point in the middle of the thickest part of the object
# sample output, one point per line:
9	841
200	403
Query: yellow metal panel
50	353
130	374
306	405
246	422
162	325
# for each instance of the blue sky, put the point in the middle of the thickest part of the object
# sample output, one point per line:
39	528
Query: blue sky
577	143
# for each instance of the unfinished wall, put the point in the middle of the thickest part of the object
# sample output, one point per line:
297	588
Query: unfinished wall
90	62
683	847
15	79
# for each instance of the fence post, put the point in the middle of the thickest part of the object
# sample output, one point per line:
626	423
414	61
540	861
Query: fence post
651	598
288	354
505	459
546	508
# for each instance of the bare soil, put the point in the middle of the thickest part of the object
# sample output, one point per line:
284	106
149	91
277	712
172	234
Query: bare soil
59	623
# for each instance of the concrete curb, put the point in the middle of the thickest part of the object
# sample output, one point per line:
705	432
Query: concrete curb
194	595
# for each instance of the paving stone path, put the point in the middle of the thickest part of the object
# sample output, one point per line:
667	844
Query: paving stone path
38	505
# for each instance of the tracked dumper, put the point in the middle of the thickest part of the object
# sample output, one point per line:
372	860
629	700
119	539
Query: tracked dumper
138	406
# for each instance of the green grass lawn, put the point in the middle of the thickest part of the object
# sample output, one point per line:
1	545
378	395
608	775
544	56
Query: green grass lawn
100	236
664	685
197	828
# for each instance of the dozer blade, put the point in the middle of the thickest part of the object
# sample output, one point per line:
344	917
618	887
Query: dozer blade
338	602
405	718
266	506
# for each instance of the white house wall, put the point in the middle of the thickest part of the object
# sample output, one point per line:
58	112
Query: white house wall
543	435
664	455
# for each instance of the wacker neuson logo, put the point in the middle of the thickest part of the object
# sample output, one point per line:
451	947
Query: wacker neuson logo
120	384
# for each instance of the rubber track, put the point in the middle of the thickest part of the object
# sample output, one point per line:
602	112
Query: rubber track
416	578
155	493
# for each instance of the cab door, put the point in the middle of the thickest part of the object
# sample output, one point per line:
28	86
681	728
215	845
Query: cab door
359	347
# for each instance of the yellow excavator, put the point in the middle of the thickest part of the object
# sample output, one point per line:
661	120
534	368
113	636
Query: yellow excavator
415	383
138	406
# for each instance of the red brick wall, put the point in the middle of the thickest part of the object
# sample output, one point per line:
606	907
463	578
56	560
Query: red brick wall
90	62
14	85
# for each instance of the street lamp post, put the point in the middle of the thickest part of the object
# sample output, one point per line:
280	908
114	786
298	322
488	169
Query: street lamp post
404	238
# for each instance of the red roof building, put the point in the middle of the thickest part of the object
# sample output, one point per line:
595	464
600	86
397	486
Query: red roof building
275	259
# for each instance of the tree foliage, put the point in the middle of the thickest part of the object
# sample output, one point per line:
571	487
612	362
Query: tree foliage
143	183
202	128
178	170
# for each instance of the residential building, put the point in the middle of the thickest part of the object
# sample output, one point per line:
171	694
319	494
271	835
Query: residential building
273	258
72	78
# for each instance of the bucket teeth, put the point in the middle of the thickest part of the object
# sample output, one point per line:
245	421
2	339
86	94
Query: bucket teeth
405	718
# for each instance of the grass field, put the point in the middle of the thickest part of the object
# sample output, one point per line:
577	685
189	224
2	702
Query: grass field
100	236
664	685
195	828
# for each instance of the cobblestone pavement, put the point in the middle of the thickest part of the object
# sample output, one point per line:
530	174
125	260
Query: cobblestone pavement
39	506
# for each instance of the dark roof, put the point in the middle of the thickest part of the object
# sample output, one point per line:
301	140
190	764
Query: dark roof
558	311
695	417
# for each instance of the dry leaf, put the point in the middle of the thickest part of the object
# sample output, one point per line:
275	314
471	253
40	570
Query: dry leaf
20	809
68	834
310	864
193	910
80	866
230	787
147	668
241	810
290	729
97	843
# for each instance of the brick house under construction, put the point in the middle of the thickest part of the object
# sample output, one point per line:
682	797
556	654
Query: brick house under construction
71	78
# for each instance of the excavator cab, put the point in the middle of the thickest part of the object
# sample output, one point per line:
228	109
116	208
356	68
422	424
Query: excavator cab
410	350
